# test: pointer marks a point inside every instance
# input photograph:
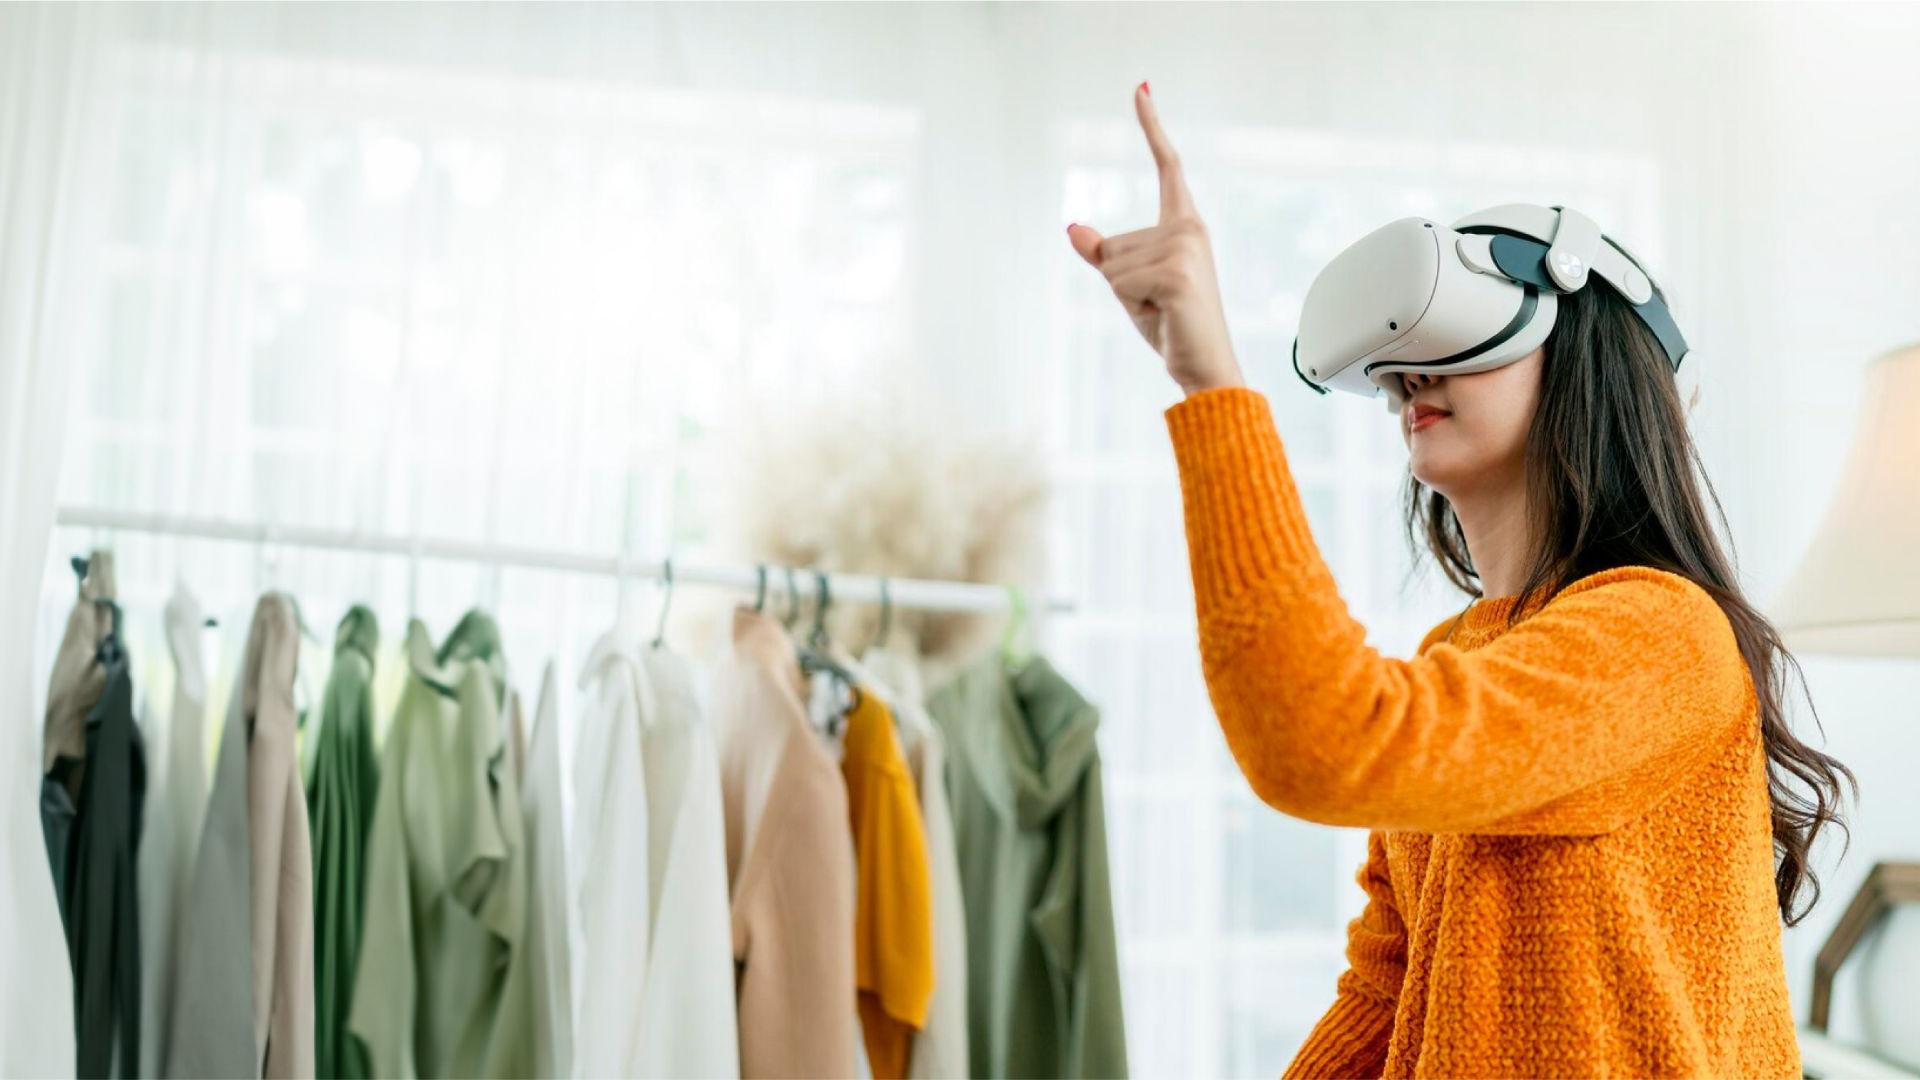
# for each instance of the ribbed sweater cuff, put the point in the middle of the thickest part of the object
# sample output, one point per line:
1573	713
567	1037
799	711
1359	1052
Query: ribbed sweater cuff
1349	1041
1245	521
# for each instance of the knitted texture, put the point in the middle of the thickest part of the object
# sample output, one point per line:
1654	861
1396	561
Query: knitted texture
1570	861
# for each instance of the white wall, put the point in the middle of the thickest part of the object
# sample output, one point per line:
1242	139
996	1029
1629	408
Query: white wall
1841	162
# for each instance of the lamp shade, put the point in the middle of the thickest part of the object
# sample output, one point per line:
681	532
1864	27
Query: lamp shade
1857	588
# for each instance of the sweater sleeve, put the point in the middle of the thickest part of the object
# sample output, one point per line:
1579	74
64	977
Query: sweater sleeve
1571	723
1351	1038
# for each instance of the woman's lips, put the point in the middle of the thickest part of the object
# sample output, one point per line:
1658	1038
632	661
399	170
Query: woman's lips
1426	419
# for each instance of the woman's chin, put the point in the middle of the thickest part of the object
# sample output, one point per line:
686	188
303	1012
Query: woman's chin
1432	467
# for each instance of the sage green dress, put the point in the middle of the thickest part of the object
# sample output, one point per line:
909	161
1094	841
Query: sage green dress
442	984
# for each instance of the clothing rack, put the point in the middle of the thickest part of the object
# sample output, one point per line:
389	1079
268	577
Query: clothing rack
920	594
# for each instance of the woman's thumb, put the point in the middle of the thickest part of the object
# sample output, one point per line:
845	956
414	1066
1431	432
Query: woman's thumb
1086	241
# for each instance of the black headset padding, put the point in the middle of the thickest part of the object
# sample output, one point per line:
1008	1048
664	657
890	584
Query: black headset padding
1525	259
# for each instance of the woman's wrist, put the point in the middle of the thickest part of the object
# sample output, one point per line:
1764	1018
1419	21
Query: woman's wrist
1226	376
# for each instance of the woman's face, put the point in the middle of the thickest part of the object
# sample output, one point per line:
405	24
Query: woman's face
1482	440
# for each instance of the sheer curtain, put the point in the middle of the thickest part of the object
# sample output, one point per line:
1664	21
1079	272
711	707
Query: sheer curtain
500	273
48	167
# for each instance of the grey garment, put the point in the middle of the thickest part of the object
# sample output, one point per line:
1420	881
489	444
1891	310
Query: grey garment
176	798
549	941
1030	828
243	991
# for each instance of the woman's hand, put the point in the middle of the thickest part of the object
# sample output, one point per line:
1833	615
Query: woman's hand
1163	274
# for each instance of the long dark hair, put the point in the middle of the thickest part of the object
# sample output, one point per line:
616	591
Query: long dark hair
1613	479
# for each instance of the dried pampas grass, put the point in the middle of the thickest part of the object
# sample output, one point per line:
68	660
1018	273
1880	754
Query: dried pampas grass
878	483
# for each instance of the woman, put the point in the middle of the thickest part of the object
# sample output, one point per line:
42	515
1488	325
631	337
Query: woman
1581	839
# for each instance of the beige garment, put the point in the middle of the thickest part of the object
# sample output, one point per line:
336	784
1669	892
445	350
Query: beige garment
280	847
242	1002
78	679
790	861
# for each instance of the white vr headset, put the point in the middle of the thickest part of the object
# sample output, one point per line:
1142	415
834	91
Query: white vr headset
1421	297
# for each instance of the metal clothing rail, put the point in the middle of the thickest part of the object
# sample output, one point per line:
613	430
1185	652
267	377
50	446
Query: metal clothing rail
924	595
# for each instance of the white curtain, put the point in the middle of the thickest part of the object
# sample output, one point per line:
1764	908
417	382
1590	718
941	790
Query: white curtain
48	186
504	272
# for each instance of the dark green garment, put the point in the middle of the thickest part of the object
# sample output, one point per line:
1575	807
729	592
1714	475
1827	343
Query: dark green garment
91	812
1043	977
442	983
346	779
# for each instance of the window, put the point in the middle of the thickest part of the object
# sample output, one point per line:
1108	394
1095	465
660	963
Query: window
493	308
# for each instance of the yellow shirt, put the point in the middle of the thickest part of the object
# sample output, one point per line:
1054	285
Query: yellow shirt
893	910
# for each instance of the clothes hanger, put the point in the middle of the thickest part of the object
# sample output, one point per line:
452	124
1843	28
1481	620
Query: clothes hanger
416	552
807	661
490	587
666	603
304	697
818	640
622	571
109	648
267	574
180	588
886	618
822	599
1010	655
268	581
814	658
413	576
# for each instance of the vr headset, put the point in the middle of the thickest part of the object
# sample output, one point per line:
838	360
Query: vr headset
1418	296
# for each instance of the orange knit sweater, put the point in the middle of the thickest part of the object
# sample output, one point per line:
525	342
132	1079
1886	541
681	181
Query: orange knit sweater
1570	862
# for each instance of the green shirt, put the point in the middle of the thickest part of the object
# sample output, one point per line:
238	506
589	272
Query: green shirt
340	803
442	986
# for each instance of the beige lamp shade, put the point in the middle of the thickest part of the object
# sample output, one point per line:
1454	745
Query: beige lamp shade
1857	588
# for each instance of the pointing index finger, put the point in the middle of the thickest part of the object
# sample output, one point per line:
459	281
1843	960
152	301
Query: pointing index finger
1175	199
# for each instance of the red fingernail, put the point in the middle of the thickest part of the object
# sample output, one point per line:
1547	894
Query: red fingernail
1071	224
1145	87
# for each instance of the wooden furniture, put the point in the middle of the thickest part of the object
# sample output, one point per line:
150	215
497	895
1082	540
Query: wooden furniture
1888	885
1823	1059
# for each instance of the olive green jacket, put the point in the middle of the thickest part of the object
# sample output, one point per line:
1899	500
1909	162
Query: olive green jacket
1043	978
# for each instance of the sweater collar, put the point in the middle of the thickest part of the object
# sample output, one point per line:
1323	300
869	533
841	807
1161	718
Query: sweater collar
1486	619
